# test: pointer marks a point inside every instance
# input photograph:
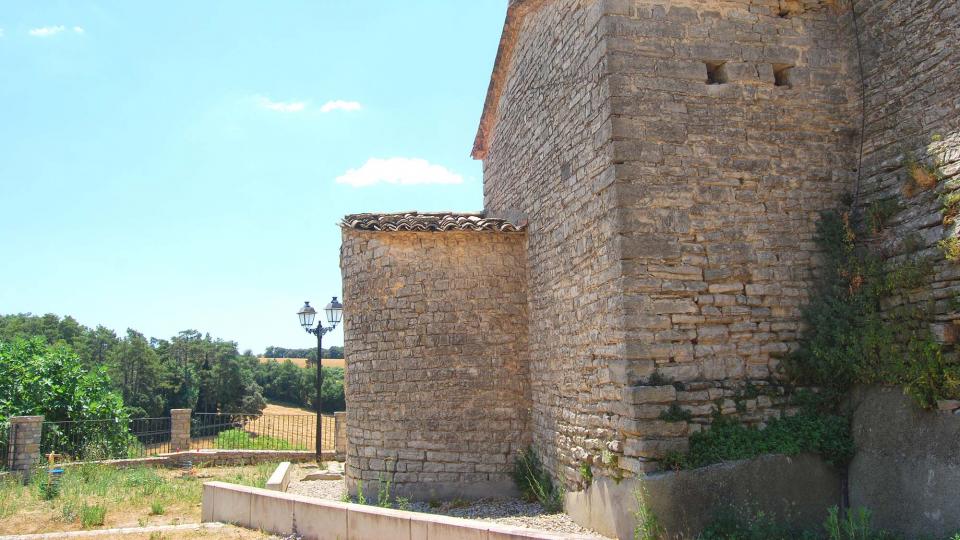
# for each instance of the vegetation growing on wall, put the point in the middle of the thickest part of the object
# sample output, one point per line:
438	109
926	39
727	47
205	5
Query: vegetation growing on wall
852	339
808	431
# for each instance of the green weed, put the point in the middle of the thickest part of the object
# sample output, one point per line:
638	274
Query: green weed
92	516
535	483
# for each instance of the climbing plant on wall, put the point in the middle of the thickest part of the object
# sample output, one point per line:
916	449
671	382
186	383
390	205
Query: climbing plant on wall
856	334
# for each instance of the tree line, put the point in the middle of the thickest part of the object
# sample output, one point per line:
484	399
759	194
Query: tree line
309	353
148	376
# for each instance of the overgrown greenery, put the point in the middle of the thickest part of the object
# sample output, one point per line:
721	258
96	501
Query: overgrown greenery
534	482
808	431
147	494
852	339
37	378
190	370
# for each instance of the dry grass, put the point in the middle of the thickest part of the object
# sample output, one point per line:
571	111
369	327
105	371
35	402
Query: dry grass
128	496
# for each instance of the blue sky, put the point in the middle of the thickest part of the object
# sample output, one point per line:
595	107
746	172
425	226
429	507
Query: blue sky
182	164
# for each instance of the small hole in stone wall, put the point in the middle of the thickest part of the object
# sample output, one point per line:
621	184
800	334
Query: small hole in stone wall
716	72
781	75
784	13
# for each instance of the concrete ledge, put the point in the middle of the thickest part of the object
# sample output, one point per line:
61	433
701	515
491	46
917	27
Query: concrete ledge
793	489
317	519
280	478
211	457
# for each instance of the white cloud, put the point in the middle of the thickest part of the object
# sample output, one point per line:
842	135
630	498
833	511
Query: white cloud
398	170
47	31
282	106
1	32
340	105
78	29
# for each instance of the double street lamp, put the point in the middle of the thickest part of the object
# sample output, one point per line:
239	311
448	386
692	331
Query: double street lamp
307	314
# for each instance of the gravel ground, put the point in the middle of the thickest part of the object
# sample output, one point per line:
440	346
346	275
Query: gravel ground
507	511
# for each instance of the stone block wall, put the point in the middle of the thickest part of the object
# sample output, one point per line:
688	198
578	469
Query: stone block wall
731	135
436	341
671	220
911	65
549	162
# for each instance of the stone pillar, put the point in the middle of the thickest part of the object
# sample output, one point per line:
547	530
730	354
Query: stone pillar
24	444
180	429
340	435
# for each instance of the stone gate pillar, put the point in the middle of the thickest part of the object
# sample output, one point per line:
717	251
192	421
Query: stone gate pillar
24	444
180	429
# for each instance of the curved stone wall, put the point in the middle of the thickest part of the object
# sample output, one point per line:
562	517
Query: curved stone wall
435	334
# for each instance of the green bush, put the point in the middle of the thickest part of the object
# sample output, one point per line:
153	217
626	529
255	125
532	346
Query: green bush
49	380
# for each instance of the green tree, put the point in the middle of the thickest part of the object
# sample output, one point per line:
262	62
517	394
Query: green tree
38	378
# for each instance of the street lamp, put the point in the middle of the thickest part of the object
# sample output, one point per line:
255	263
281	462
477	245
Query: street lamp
307	314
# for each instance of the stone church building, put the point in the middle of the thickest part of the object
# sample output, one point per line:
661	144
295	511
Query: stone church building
653	174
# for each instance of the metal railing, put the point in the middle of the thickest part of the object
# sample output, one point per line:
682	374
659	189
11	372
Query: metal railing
5	429
259	432
89	440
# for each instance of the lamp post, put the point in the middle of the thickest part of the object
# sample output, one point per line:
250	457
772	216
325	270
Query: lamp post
307	314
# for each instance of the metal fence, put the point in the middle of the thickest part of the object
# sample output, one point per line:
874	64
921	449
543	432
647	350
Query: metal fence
5	429
87	440
260	432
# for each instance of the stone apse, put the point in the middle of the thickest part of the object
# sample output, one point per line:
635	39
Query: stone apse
653	174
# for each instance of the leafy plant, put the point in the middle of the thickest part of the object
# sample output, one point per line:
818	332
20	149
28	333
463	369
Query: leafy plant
383	491
586	473
855	525
402	503
361	498
157	509
534	483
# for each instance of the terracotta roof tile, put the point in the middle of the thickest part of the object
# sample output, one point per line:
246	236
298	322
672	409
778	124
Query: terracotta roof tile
439	221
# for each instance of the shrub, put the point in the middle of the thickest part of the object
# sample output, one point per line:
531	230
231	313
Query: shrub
534	482
156	509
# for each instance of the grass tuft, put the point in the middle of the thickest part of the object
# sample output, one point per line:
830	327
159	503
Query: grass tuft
92	516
